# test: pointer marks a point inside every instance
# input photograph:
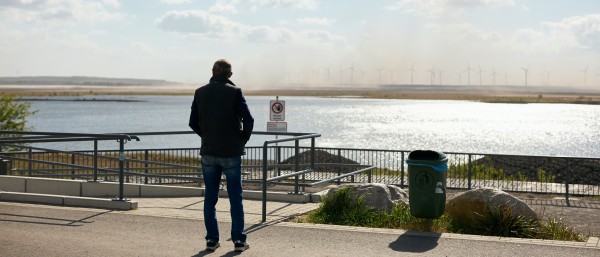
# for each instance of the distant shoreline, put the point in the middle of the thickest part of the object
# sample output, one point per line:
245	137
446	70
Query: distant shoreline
483	94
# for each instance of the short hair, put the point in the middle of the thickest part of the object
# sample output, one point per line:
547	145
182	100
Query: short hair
222	67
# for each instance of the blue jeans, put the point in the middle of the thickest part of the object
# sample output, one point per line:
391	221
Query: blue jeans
212	169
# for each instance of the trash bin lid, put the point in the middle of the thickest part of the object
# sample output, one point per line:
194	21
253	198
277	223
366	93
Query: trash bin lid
426	155
433	159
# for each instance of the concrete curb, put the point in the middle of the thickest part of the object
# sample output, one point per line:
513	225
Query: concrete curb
592	242
73	201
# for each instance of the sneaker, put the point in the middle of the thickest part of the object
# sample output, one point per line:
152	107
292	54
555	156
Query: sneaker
240	246
212	245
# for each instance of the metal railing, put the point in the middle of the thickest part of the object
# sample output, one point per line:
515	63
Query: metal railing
296	139
15	139
513	173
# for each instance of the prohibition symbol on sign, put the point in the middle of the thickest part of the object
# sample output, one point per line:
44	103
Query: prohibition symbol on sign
277	107
277	110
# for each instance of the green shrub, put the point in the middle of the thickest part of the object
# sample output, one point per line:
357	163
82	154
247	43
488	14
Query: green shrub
13	114
557	229
343	208
502	222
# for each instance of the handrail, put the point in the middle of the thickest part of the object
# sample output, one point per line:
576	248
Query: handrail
67	135
290	175
296	139
343	176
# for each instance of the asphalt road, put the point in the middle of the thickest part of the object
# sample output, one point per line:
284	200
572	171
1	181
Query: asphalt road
36	230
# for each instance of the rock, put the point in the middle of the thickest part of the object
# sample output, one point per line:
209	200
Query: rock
466	208
376	195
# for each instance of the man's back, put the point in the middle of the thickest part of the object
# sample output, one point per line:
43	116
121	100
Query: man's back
218	118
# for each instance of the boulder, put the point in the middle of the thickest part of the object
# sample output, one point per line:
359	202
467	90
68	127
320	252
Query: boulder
469	207
376	195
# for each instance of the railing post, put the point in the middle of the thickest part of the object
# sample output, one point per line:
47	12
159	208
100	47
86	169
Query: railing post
95	160
370	175
121	168
469	172
264	185
296	164
402	170
278	159
29	165
339	154
4	167
312	161
569	169
72	166
146	166
127	168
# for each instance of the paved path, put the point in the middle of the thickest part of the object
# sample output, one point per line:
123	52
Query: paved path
173	227
191	208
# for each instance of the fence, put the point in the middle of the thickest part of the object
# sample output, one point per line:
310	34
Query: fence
514	173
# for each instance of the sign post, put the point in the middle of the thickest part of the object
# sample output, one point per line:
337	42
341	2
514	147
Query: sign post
277	116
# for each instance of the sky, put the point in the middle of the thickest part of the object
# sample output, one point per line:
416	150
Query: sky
275	43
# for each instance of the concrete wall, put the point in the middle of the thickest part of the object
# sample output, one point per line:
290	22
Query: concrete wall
12	184
91	189
80	188
53	186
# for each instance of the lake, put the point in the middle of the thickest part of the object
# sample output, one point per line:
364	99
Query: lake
451	126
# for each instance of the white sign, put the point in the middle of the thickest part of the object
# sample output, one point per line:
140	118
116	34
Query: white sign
277	110
276	126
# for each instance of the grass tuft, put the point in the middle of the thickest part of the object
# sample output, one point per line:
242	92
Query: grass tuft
342	208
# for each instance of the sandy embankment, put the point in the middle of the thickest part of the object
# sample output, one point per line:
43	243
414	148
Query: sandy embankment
485	94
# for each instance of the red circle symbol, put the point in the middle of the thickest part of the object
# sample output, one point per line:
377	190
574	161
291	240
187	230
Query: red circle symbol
277	107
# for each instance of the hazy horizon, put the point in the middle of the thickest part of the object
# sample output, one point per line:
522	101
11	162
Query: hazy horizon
307	42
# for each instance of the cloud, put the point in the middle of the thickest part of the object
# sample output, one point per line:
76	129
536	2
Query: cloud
223	8
270	34
175	1
212	26
201	23
315	21
574	33
466	32
301	4
229	5
60	11
438	8
580	31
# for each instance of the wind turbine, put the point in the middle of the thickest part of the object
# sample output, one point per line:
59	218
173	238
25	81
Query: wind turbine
585	71
493	75
432	71
341	72
526	70
412	72
440	72
547	73
480	72
392	76
351	74
328	72
380	69
468	70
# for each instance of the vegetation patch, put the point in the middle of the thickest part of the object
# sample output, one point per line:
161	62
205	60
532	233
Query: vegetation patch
342	209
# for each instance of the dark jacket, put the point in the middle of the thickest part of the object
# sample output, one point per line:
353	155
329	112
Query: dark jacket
220	116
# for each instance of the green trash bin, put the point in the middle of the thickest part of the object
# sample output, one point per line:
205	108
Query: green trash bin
427	183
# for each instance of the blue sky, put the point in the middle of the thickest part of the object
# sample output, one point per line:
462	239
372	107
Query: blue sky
313	42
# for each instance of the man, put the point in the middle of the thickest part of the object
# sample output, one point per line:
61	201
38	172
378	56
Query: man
220	116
